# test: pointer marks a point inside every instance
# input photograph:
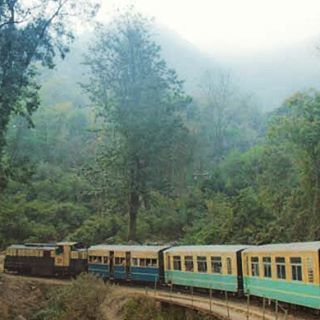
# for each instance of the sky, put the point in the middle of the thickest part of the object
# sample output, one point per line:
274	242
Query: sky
231	27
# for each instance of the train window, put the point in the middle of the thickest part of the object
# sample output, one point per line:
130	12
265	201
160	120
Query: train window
267	271
188	263
216	265
229	265
151	262
296	268
105	260
119	261
143	262
59	250
310	270
202	264
95	259
176	263
135	261
281	267
255	266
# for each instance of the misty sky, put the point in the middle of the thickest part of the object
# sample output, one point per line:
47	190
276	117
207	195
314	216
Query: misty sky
233	27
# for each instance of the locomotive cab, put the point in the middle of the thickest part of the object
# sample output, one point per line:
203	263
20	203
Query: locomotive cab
70	258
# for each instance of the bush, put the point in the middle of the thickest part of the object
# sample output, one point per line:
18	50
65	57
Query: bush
79	301
143	308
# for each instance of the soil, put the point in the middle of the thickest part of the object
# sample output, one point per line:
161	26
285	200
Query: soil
18	299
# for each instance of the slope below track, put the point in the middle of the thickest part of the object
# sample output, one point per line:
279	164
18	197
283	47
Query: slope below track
219	307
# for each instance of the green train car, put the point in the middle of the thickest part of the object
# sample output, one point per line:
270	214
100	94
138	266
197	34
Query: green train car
215	267
284	272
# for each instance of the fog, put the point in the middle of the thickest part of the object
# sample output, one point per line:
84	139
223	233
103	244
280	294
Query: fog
270	47
231	27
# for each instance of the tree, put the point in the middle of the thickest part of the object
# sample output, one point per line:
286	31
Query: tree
32	33
298	126
218	91
140	101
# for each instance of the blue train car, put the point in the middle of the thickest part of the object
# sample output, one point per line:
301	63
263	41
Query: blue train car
125	262
98	261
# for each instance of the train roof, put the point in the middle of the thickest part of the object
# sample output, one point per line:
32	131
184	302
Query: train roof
39	244
207	248
67	243
131	248
30	246
286	247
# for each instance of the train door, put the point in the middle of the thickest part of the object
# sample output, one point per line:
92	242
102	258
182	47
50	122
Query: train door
59	257
128	265
111	263
161	264
240	277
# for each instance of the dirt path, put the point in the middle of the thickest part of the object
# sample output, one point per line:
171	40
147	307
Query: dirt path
1	262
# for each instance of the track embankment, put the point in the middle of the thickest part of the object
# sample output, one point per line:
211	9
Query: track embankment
13	289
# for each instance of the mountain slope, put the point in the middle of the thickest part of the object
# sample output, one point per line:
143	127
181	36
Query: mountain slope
271	76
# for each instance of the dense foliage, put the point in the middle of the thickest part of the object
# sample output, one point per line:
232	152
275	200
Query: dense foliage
211	170
31	34
79	301
142	308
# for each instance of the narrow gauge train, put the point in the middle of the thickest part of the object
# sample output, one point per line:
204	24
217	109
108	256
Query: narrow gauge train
283	272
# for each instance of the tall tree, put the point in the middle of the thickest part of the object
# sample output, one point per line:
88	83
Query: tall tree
140	99
298	127
32	32
218	91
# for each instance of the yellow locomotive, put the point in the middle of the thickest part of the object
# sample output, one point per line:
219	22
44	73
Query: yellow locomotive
60	259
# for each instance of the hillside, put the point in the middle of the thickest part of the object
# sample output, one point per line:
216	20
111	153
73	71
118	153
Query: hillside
270	76
275	74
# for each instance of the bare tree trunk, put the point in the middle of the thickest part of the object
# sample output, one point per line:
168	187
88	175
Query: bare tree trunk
133	212
316	206
4	120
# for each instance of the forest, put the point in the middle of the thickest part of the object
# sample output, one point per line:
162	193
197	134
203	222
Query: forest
108	144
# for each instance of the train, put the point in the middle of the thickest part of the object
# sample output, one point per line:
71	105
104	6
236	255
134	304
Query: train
283	272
